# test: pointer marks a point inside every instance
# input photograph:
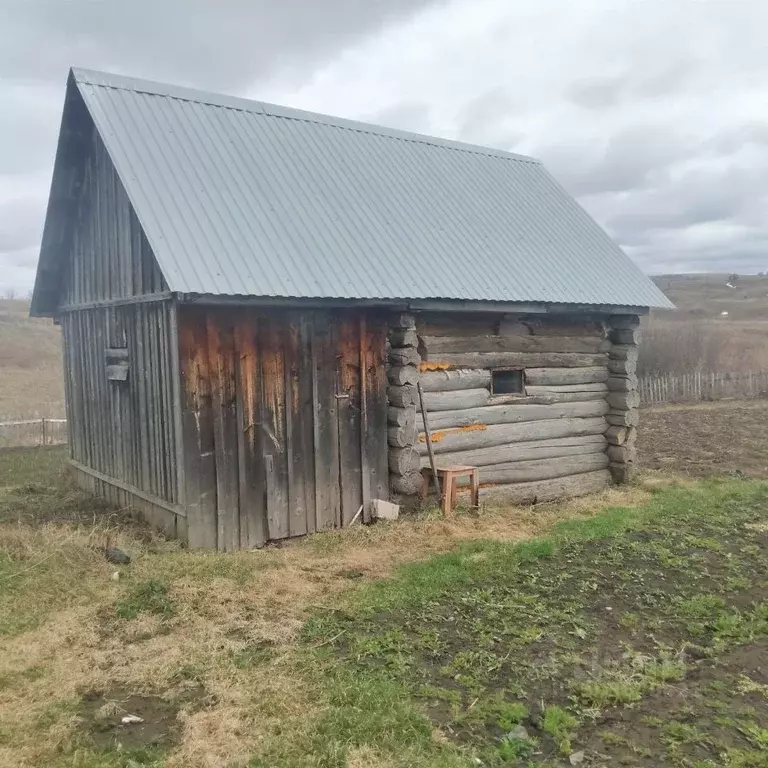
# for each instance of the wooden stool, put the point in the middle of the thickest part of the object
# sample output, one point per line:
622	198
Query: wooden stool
447	478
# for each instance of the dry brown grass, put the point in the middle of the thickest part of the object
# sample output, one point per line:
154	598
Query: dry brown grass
224	605
31	383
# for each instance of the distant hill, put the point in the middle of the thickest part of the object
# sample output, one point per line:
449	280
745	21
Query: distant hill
31	381
707	296
30	349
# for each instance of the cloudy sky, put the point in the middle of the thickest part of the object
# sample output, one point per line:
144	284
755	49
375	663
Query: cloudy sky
654	113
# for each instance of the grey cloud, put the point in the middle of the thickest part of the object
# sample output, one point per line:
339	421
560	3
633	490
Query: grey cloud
629	160
409	116
29	122
611	91
21	222
597	92
221	45
483	120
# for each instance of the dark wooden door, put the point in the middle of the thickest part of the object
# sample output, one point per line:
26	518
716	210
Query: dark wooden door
297	417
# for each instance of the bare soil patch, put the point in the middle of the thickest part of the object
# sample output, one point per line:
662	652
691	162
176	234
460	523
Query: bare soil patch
726	437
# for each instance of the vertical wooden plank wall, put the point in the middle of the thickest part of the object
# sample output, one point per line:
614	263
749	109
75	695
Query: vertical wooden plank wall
124	430
289	393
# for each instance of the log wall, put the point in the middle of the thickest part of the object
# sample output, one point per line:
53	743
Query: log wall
550	440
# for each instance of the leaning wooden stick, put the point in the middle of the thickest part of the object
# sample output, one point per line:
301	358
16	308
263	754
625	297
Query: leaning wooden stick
428	437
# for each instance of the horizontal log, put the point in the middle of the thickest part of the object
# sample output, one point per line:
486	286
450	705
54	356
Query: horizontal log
561	376
437	346
403	461
481	436
622	383
623	367
452	324
519	359
624	321
572	397
403	337
541	469
623	401
514	414
546	490
624	336
568	389
402	396
408	485
623	352
403	374
448	381
534	449
628	418
404	356
564	326
401	437
401	417
621	454
472	398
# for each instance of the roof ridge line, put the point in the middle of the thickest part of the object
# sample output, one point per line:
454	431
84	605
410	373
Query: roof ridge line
241	104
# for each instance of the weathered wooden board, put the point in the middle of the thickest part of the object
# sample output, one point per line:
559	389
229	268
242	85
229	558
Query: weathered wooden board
349	397
197	423
437	346
328	501
299	429
560	376
564	389
542	469
375	393
473	398
534	449
446	381
273	424
546	490
571	397
481	436
225	426
513	414
518	360
253	511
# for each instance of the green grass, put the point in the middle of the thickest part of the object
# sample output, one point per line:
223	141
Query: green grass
22	466
517	654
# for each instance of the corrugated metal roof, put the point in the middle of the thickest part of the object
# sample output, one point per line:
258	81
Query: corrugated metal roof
241	197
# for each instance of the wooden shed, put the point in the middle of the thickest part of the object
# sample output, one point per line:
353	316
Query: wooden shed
249	295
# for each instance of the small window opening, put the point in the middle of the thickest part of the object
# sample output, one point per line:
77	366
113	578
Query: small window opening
508	382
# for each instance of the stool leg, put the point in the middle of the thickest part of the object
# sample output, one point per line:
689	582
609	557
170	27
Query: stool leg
475	480
449	491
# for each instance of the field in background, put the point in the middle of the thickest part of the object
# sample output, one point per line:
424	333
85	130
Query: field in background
697	337
31	382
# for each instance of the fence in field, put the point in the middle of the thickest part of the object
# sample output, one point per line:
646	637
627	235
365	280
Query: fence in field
697	386
31	432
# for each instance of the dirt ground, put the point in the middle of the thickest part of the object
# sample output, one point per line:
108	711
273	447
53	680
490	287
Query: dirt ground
726	437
